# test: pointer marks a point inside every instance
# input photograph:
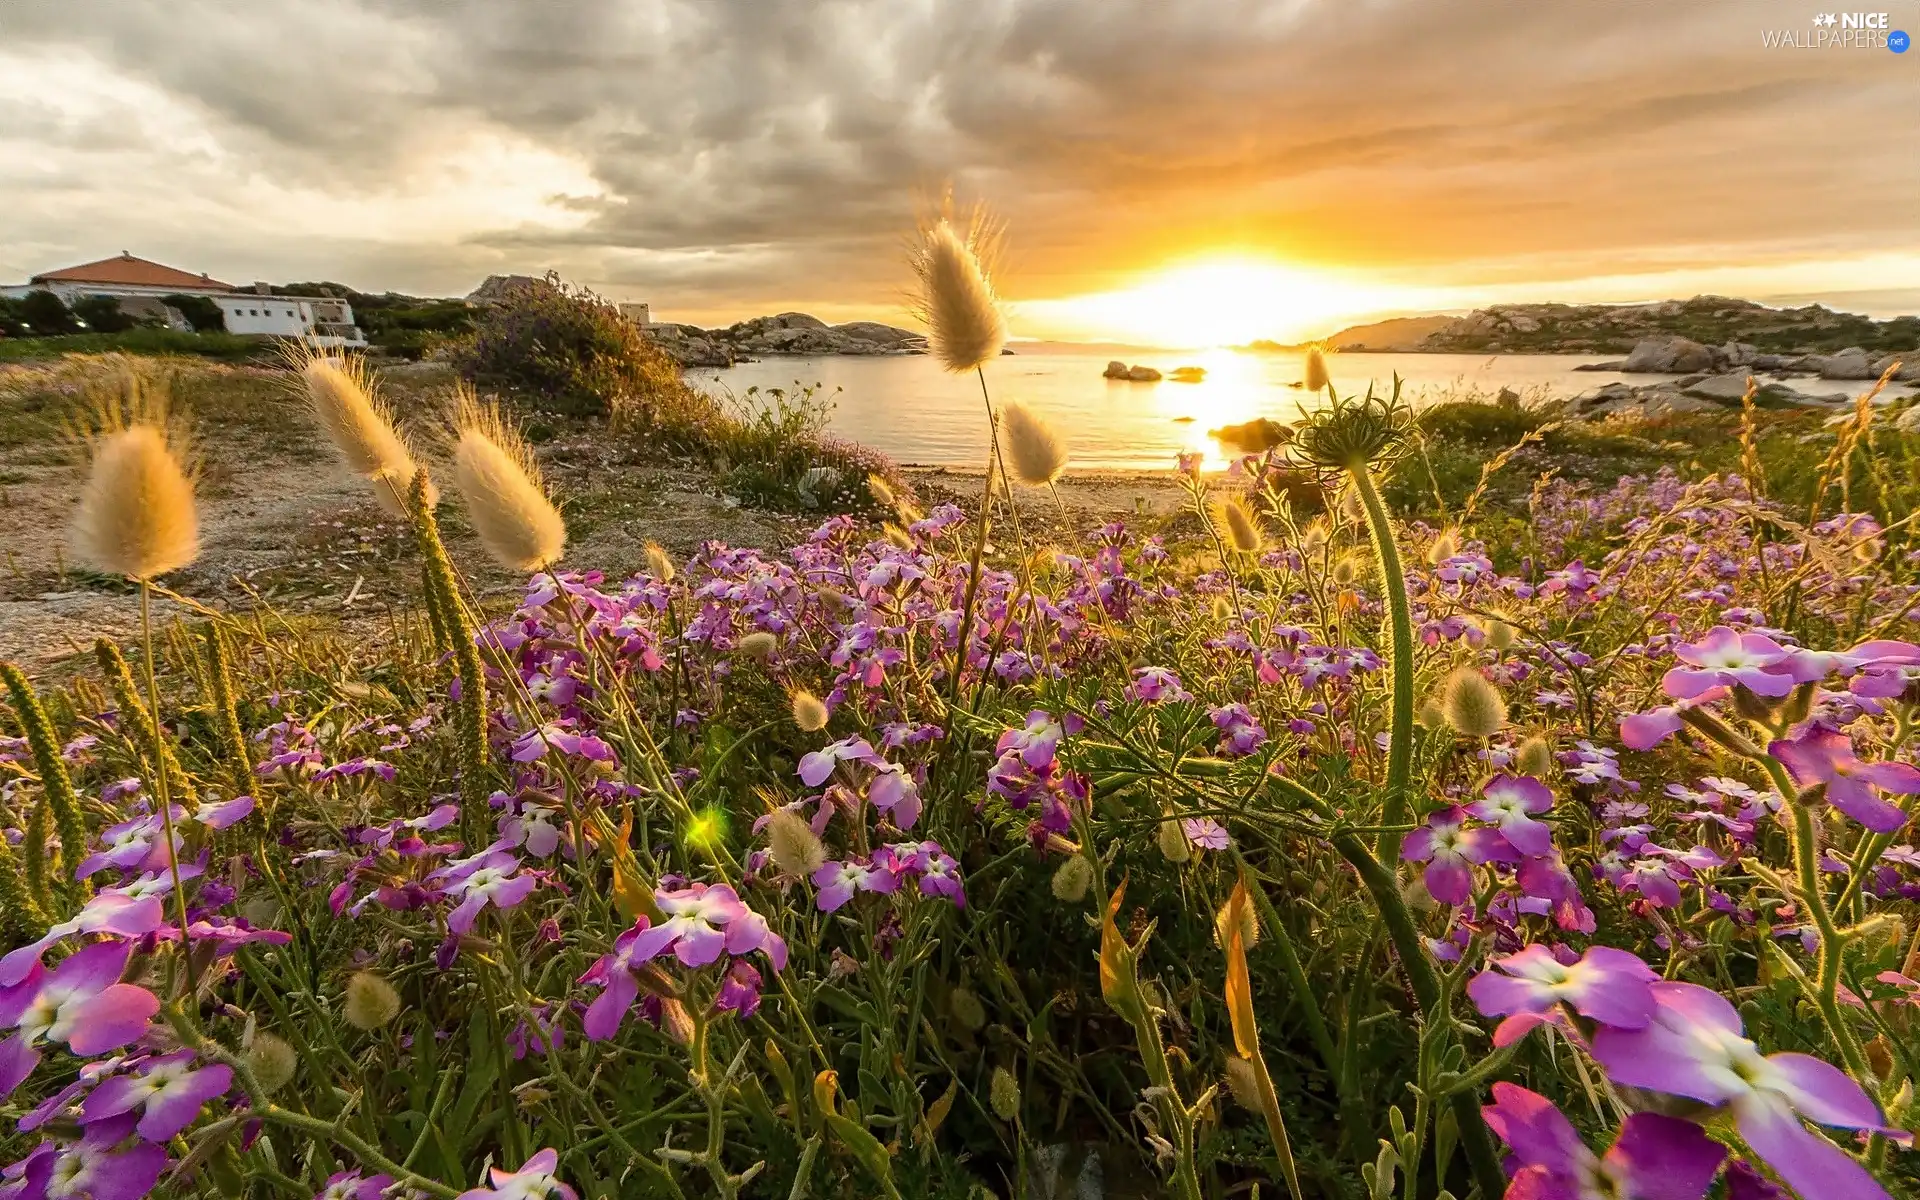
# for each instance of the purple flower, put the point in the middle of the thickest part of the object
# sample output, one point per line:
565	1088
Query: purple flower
1645	730
1607	985
1509	802
533	1181
1826	757
347	1185
614	971
1727	658
129	912
816	766
534	744
838	881
493	880
1151	685
168	1093
93	1168
1653	1158
1451	851
1694	1047
1205	832
705	922
895	793
81	1002
1036	743
739	990
1240	733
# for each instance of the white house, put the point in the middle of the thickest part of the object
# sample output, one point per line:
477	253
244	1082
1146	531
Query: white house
320	321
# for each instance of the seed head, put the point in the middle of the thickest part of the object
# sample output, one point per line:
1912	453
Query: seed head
1444	546
1249	926
1534	757
792	844
1316	379
371	1002
1004	1094
136	516
659	563
880	491
1173	842
808	712
1034	453
505	500
1072	879
273	1061
1500	635
1474	707
967	1009
1233	516
1243	1082
965	327
759	644
1354	432
341	395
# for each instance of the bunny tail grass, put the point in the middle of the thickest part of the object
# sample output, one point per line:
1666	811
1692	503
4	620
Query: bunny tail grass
55	784
226	717
136	723
470	717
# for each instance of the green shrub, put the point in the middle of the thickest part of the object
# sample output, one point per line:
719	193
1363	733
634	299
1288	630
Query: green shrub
201	313
46	314
773	451
567	349
102	314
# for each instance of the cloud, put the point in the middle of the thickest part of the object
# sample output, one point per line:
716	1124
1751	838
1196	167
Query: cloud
733	154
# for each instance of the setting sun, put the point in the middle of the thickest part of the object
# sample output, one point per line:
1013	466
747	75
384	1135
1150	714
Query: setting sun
1214	302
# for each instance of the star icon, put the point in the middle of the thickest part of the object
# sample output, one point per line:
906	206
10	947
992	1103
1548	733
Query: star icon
1824	19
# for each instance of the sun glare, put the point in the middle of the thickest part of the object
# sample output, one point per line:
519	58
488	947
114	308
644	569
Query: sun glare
1220	301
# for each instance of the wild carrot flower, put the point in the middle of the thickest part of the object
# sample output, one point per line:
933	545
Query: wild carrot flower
1653	1155
1694	1046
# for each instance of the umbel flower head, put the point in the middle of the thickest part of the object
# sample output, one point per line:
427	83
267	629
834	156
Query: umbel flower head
965	327
1354	432
136	515
1034	453
506	500
341	396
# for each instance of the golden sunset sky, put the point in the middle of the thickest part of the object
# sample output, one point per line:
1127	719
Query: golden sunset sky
1170	173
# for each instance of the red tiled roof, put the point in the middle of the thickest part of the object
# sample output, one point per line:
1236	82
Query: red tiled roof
137	272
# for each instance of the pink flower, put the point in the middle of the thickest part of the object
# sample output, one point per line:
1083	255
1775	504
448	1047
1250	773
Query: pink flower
1654	1156
1607	985
81	1003
1451	851
168	1093
1826	757
493	880
1509	802
533	1181
1728	658
838	881
1205	832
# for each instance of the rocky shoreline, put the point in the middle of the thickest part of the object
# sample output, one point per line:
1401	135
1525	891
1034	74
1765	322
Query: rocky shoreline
789	333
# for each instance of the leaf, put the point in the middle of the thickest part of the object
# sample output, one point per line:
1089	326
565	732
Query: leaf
1246	1034
867	1149
936	1115
1118	981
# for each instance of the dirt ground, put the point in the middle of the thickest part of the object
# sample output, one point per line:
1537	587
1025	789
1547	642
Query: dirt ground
281	523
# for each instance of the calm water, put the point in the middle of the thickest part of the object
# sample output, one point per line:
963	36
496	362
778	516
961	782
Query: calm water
914	412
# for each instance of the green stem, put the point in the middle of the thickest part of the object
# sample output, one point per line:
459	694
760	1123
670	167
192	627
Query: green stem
163	795
1393	582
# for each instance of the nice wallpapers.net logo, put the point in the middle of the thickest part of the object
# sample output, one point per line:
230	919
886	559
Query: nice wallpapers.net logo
1840	31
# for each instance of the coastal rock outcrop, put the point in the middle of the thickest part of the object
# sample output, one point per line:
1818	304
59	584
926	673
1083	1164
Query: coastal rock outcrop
1704	393
1138	374
1667	356
793	333
1851	363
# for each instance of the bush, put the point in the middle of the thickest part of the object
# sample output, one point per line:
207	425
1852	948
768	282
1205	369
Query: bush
201	313
567	349
46	314
102	314
773	451
13	318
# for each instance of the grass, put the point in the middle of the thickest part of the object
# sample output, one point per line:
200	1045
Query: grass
227	347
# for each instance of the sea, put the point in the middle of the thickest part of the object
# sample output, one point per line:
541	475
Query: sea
910	409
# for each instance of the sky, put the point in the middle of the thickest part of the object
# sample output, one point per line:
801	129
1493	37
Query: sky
1171	171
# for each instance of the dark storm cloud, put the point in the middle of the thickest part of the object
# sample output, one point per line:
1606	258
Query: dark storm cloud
753	147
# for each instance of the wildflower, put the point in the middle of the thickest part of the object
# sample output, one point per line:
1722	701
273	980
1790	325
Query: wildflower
492	879
533	1181
94	1167
1727	657
340	395
818	765
1694	1047
1653	1155
1240	734
136	516
1151	685
81	1003
1610	986
1205	832
1509	802
506	502
1451	851
838	881
128	912
1036	743
739	990
1034	453
702	923
1824	757
348	1185
169	1093
964	325
895	793
808	713
1473	706
371	1002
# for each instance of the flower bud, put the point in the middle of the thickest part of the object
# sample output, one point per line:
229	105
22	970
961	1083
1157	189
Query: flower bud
792	844
371	1002
1500	635
967	1009
808	712
272	1061
1430	714
1474	707
759	644
1004	1094
1534	757
1173	842
1072	879
1244	1083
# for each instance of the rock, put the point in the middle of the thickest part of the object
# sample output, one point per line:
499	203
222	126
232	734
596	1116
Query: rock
876	332
1731	387
1687	381
1851	363
1909	371
1143	375
1252	437
1667	356
1613	365
1187	374
1736	354
1115	370
1773	362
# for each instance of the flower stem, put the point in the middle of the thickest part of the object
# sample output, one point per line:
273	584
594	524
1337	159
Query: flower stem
160	784
1393	582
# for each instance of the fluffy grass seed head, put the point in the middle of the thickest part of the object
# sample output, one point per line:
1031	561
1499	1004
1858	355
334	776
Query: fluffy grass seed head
136	516
1035	454
1172	841
659	563
808	712
341	395
1534	757
273	1062
965	326
371	1002
1316	378
1237	521
1072	879
792	845
506	501
881	492
759	645
1003	1094
966	1008
1474	707
1244	1082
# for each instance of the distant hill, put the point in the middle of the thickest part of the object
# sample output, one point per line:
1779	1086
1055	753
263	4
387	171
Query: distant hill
1615	328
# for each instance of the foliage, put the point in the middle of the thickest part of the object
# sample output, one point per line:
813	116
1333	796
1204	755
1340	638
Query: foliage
565	348
230	347
13	318
203	314
102	314
46	314
773	451
1149	846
